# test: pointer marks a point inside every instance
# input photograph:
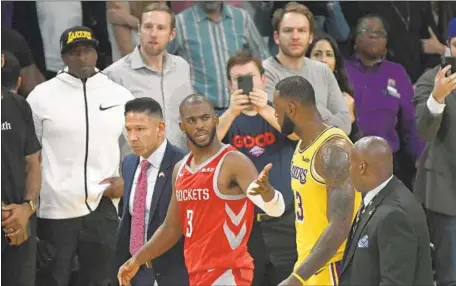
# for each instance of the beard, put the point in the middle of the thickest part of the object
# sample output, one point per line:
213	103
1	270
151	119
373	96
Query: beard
287	51
288	127
211	139
292	54
153	52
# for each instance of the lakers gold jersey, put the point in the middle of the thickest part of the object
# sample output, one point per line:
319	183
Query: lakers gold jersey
310	196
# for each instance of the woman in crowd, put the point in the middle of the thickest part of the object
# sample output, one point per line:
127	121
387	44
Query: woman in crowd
383	96
325	50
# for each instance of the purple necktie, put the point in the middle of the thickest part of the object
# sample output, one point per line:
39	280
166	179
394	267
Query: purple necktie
139	208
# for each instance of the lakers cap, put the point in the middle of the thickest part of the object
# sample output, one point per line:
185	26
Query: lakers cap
76	35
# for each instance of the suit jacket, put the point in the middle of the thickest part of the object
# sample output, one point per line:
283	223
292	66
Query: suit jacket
435	184
169	268
391	243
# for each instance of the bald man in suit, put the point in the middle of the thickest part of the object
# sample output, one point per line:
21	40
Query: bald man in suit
389	240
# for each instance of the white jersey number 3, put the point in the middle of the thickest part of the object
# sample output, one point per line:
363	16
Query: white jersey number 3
189	230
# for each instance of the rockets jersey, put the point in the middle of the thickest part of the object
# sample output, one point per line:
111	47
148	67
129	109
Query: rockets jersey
310	197
216	227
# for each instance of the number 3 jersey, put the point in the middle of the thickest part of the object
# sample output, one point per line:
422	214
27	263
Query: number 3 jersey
216	227
310	196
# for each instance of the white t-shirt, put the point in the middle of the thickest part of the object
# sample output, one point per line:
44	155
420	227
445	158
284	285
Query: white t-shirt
54	18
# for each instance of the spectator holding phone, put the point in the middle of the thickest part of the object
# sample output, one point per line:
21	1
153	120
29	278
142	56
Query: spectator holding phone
249	124
435	185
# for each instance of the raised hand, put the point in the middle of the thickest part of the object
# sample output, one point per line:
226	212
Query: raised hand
259	99
238	101
261	185
432	45
443	85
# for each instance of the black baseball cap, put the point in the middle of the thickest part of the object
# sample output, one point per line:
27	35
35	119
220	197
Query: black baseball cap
76	35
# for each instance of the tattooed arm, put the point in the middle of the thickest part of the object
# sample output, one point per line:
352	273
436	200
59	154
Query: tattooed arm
332	164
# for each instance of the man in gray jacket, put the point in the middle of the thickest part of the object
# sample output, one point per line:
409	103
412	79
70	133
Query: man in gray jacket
435	185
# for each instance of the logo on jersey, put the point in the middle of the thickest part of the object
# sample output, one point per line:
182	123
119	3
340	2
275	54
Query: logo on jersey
207	170
192	195
249	141
299	174
256	151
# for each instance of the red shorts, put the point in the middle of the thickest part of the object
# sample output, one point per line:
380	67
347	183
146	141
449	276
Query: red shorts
232	277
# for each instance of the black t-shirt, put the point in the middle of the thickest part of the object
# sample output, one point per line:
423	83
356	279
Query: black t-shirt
14	43
18	141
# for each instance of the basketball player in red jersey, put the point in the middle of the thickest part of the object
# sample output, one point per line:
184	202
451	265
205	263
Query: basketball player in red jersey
214	189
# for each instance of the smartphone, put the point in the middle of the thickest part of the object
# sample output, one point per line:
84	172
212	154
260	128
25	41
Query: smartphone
245	83
445	61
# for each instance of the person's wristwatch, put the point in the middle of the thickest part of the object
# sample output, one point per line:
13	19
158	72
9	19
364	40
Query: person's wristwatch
31	204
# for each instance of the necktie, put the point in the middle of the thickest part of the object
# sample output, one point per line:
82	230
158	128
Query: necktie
358	218
139	207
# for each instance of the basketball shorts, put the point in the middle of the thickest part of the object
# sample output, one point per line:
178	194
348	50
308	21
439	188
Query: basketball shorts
229	277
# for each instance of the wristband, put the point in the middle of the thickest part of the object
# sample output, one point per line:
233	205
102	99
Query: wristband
295	275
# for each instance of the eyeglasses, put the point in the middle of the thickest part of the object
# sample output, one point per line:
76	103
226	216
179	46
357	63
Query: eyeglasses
373	33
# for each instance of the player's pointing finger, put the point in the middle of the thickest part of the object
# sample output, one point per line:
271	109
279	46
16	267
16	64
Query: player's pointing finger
265	173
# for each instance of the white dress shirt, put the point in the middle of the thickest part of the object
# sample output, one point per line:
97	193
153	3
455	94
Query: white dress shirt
436	108
371	194
155	159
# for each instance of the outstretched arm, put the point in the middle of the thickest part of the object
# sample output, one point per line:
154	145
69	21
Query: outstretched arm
257	187
333	165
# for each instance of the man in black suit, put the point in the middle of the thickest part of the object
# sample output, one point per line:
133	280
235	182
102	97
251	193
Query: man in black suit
147	178
389	240
435	184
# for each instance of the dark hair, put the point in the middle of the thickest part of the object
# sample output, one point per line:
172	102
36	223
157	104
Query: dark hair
339	71
11	71
162	7
144	105
298	88
369	17
292	7
194	98
243	57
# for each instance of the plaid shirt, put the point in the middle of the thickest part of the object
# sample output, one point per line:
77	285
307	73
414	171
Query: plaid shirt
207	46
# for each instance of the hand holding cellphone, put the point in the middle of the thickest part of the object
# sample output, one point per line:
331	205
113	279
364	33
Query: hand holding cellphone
445	61
245	83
